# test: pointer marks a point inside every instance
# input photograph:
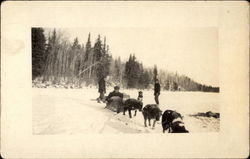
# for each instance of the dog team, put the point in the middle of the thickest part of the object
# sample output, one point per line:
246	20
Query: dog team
172	121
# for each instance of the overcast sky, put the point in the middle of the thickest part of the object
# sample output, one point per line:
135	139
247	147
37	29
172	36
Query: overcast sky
190	51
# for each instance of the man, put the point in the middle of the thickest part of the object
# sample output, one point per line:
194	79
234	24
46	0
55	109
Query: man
101	90
157	91
114	93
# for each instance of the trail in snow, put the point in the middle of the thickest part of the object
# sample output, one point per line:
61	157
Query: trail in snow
73	111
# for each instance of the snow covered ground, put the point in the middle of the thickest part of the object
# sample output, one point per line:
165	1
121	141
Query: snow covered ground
75	111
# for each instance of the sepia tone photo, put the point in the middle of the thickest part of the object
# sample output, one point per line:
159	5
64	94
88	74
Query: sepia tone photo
125	80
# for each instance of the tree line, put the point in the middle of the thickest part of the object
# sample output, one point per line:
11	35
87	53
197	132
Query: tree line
56	60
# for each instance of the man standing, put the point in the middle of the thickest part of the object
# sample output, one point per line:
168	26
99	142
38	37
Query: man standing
102	89
157	91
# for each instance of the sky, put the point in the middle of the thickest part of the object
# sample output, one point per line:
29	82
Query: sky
192	51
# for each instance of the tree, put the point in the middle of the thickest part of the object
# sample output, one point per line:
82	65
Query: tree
144	80
102	58
51	56
74	63
175	86
155	73
38	52
88	59
167	85
98	51
133	70
88	48
116	70
76	44
129	71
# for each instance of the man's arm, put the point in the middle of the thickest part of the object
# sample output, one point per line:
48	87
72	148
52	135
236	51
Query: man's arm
109	96
121	95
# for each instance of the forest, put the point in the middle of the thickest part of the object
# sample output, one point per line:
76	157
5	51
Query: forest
57	61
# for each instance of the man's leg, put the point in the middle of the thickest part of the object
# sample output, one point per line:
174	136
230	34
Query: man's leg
157	99
102	96
99	98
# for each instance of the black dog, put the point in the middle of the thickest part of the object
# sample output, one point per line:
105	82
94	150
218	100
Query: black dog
172	121
132	104
151	111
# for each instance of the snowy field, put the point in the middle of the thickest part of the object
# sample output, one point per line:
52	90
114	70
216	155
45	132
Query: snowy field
75	111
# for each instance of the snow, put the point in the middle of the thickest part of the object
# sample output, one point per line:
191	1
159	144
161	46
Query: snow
75	111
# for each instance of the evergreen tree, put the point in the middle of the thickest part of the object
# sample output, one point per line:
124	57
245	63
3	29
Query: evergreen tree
52	55
76	47
76	44
128	70
102	59
132	72
167	85
98	51
88	59
175	86
155	73
117	71
59	58
144	80
38	52
88	48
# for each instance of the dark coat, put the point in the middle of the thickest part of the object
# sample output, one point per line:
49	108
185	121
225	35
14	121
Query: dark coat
102	86
112	94
157	89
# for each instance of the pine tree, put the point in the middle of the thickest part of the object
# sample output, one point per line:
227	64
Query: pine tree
155	73
133	70
51	52
76	57
38	52
98	49
144	79
88	58
128	70
117	71
76	44
88	48
102	60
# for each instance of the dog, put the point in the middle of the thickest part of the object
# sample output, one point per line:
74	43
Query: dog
151	111
132	104
140	96
173	122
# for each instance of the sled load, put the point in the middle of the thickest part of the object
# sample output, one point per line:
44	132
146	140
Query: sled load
116	103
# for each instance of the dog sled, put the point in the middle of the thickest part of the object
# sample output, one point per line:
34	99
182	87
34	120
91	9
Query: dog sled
116	103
